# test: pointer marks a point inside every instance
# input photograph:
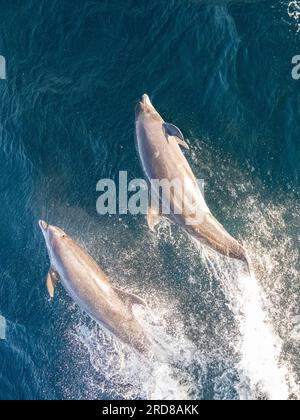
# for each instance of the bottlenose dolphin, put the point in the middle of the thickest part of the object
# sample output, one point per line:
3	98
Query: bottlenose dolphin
158	144
91	288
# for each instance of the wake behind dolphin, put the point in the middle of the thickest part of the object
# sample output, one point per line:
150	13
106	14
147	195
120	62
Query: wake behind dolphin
91	289
2	328
158	145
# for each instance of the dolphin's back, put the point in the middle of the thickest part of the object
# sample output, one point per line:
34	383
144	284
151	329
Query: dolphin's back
78	271
162	159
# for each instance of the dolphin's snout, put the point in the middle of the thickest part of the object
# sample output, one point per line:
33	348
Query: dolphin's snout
145	105
146	100
43	225
145	97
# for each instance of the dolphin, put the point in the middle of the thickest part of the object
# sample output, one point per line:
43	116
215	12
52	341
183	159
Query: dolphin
159	147
91	289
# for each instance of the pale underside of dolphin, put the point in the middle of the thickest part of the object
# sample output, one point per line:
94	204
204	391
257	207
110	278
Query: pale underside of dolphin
158	144
91	289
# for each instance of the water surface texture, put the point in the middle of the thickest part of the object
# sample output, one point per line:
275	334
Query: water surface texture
219	70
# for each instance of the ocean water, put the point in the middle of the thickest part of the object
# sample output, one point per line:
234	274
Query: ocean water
221	71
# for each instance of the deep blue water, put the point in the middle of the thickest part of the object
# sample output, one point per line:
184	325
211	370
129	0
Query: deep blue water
221	71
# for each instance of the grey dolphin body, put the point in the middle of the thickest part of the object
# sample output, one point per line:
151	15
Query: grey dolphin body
91	289
158	145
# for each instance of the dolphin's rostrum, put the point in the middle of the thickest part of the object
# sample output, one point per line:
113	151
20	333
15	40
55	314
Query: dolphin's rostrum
91	288
158	144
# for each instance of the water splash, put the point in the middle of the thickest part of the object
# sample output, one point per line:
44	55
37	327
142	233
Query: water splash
265	304
124	374
261	376
294	12
260	347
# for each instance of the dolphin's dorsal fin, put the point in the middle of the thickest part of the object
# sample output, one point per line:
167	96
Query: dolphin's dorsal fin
172	131
128	298
2	328
52	279
153	218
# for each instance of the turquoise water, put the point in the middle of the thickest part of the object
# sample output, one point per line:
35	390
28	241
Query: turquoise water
221	71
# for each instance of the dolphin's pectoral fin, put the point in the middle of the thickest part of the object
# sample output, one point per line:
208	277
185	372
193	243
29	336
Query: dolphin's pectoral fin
52	279
128	298
152	218
173	131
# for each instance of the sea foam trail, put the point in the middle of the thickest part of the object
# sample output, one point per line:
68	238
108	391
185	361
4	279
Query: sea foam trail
2	328
261	373
260	348
265	304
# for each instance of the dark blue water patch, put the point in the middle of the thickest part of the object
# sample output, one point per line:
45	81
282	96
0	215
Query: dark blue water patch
89	75
24	365
219	70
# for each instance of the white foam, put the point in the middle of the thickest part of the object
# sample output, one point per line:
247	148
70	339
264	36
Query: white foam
2	328
130	376
260	348
293	10
262	374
